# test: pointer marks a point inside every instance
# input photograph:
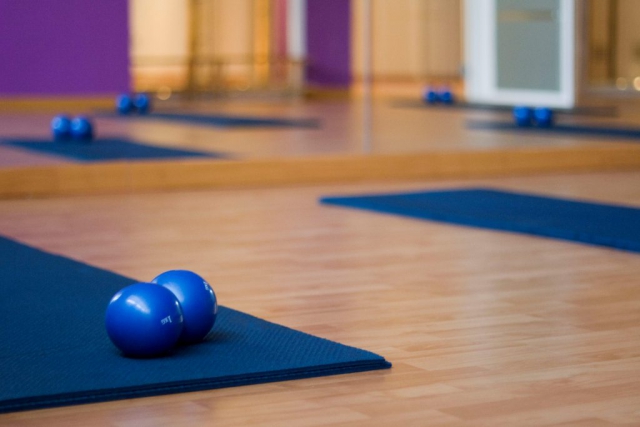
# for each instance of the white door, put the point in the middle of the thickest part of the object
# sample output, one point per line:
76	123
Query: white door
520	52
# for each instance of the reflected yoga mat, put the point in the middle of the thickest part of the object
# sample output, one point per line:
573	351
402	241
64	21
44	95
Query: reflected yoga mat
55	350
578	221
594	111
228	121
103	150
562	129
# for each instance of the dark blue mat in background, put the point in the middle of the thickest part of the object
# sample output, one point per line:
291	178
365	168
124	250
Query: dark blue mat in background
228	121
592	111
564	129
592	223
106	149
55	350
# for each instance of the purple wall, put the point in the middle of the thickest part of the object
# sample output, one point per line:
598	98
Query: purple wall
64	47
329	42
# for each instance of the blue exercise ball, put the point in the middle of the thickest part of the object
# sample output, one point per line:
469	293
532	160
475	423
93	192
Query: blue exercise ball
430	96
61	127
543	116
144	320
124	104
82	128
446	96
197	299
523	116
142	103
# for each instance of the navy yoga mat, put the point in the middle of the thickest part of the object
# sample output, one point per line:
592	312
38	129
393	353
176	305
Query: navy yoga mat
102	150
604	111
592	223
55	350
227	121
566	129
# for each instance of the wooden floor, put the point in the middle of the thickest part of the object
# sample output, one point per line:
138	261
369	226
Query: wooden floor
483	328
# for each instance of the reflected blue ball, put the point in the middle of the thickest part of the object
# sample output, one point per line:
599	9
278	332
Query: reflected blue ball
144	320
197	299
523	116
82	129
430	96
61	128
543	116
124	104
142	103
446	96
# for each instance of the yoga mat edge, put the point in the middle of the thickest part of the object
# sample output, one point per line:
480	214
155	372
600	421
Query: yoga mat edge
576	224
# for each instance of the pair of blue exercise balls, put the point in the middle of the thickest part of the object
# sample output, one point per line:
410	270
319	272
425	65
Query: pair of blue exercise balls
133	103
146	320
442	95
529	116
64	128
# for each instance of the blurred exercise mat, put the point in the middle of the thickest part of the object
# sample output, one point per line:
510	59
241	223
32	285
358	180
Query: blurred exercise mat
573	220
105	149
222	120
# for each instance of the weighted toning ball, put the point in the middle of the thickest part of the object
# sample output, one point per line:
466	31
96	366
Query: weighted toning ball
144	320
124	104
430	96
446	96
82	129
197	299
523	116
142	103
61	128
543	117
